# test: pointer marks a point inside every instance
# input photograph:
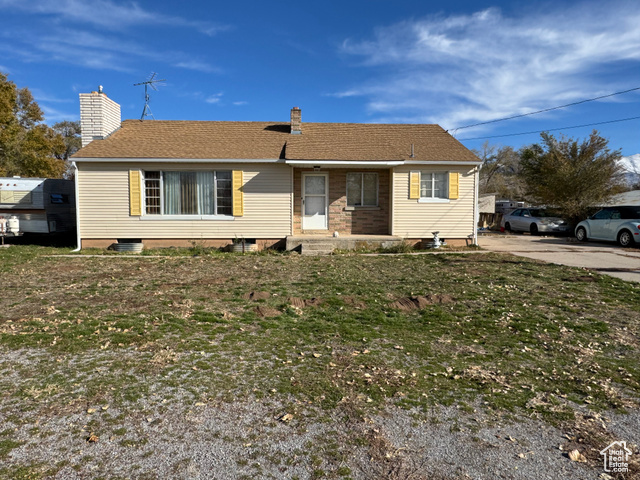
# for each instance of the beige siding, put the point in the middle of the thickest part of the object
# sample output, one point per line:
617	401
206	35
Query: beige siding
104	204
417	220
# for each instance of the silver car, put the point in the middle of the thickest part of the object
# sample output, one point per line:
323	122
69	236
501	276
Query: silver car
533	220
614	224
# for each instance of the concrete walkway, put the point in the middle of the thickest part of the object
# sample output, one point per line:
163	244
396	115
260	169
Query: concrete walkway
606	258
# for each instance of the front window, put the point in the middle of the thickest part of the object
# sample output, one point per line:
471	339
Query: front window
362	189
188	193
434	185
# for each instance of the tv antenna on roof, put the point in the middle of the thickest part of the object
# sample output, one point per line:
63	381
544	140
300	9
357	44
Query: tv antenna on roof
151	82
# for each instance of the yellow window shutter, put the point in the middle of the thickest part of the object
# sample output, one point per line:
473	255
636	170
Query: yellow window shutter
238	194
135	193
414	185
454	185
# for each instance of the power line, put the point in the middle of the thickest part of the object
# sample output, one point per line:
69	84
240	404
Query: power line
551	129
546	110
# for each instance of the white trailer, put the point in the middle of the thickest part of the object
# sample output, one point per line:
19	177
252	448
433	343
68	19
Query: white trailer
42	205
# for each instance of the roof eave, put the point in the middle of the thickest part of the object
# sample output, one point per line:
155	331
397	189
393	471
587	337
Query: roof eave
442	162
346	163
175	160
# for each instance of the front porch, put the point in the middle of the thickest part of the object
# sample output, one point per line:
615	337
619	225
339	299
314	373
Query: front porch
349	201
326	244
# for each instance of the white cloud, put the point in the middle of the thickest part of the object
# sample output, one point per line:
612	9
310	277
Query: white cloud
240	103
215	98
53	115
469	68
108	14
198	66
41	96
95	50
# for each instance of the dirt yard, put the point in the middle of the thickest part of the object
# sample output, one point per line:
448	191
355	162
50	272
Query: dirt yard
195	364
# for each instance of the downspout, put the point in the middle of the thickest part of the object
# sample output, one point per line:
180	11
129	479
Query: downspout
476	213
77	195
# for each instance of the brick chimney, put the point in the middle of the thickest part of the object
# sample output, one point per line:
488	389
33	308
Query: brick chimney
296	121
99	116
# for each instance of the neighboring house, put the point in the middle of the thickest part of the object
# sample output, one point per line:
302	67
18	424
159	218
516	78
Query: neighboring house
487	212
42	205
171	182
487	203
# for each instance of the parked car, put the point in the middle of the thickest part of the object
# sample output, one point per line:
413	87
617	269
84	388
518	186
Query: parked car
533	220
615	224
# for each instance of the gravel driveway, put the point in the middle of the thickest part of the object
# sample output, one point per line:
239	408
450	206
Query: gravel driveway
606	258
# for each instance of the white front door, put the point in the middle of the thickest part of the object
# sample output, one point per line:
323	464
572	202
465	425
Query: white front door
314	201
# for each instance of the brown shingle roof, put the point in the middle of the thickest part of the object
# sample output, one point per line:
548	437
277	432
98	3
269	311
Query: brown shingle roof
272	140
369	141
190	139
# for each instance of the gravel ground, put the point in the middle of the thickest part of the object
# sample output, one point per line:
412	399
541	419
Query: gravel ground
246	439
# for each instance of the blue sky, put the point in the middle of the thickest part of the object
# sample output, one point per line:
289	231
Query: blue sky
453	63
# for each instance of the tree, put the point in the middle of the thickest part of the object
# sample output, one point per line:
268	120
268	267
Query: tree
70	132
500	172
28	147
571	176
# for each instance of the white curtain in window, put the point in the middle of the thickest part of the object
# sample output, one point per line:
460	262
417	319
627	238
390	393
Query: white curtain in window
440	185
425	185
171	193
188	193
205	193
434	185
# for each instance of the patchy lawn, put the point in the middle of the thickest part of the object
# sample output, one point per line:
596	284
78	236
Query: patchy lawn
126	352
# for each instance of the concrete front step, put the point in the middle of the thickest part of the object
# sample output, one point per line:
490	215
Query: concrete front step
318	246
314	253
351	242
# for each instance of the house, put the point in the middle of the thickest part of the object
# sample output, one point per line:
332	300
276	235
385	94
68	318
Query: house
42	205
172	182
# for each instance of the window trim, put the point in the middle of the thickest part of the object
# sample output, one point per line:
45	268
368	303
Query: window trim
433	199
144	197
163	216
353	207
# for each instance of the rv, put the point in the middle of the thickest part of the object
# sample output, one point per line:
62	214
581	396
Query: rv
42	205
